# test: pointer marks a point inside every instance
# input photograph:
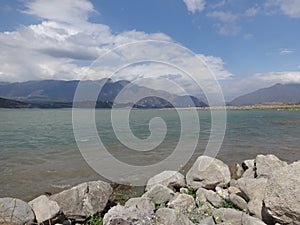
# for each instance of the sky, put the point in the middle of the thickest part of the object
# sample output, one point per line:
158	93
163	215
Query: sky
246	44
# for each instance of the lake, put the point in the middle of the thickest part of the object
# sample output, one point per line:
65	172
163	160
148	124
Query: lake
38	151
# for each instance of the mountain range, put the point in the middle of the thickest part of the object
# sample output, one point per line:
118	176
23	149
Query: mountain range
59	94
278	93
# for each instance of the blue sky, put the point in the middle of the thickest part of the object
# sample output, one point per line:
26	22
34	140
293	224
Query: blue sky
248	44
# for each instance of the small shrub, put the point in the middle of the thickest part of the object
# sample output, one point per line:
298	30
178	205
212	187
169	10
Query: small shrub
228	205
192	192
95	220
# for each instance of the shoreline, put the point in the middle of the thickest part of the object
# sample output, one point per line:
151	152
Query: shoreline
211	191
246	107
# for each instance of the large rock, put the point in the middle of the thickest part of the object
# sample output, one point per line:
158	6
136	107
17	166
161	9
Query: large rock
83	200
252	188
171	179
159	194
165	216
200	196
213	198
15	212
255	207
46	210
141	204
121	215
208	173
238	202
266	164
182	202
207	221
249	220
282	196
228	216
203	195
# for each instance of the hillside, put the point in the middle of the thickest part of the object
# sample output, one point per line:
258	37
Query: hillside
281	93
58	93
12	104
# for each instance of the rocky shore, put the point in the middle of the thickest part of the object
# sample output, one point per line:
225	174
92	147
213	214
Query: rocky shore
264	190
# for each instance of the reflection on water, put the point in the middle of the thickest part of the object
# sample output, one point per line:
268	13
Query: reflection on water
38	152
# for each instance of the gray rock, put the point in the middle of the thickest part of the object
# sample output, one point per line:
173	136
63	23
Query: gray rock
266	164
223	193
214	198
238	202
236	171
15	211
165	216
121	215
205	209
255	207
252	188
171	179
83	200
207	221
282	196
247	164
234	190
233	183
208	173
249	168
46	210
229	216
249	220
183	203
159	194
141	204
249	173
200	196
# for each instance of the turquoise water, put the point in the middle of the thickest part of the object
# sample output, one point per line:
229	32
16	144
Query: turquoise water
38	151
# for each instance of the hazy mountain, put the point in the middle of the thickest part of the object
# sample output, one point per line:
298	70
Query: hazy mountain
58	92
283	93
12	104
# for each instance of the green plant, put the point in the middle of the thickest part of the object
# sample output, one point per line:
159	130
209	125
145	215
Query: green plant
161	205
95	220
207	212
228	205
192	192
122	193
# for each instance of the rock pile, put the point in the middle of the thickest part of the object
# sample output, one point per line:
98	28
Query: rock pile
264	190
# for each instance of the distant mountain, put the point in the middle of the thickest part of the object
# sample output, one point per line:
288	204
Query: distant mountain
40	91
58	93
282	93
12	104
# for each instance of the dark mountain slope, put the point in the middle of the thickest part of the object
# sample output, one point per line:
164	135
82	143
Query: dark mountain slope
284	93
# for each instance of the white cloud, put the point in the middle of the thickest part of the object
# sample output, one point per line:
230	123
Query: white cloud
68	11
286	51
225	17
227	24
216	65
280	77
290	8
59	48
251	12
195	5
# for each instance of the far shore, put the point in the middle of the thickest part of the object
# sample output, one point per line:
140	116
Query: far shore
246	107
